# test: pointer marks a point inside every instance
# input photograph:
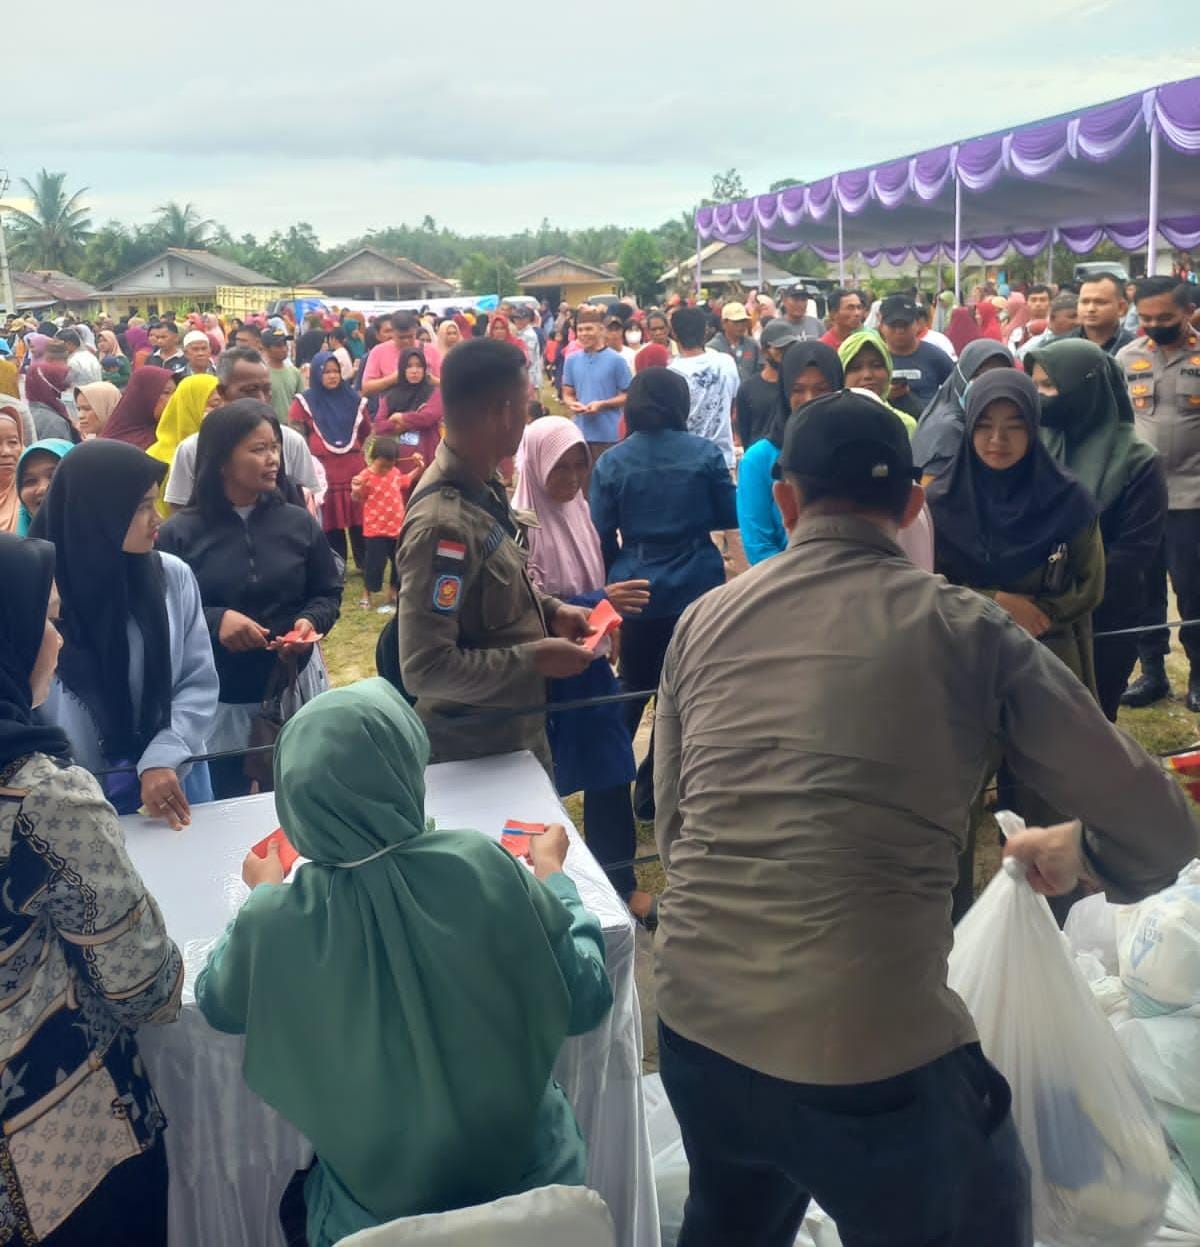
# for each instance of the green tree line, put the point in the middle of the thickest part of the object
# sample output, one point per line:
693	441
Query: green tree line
57	232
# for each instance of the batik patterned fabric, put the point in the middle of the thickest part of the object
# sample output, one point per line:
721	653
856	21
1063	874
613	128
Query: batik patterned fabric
84	957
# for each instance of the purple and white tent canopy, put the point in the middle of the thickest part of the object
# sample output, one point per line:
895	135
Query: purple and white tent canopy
1110	171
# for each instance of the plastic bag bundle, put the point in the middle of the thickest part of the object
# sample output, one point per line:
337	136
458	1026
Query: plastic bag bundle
1158	947
1098	1160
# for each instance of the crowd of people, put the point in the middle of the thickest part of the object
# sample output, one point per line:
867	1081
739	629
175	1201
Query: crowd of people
953	516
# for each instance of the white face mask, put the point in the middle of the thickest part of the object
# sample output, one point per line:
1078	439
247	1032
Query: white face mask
633	336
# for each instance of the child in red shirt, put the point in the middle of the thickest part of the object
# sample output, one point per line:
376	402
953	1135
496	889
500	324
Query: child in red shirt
382	488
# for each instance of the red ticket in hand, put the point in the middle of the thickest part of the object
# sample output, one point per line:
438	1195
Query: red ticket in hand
605	620
516	836
295	638
287	853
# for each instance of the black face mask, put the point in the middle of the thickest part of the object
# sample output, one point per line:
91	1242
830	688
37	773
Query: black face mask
1056	411
1165	335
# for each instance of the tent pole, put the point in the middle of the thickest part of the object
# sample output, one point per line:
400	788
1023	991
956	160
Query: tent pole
1050	255
841	249
957	238
698	250
1152	237
758	247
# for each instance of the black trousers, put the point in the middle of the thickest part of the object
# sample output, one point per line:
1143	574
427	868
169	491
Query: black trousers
644	645
1179	555
930	1158
229	778
127	1209
337	543
611	833
378	552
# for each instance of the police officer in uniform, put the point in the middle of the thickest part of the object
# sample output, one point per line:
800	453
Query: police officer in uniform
1162	371
474	634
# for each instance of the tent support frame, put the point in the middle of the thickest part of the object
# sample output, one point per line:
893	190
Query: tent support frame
957	238
1152	235
841	248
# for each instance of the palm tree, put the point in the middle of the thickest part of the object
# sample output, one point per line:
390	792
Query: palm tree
52	235
182	226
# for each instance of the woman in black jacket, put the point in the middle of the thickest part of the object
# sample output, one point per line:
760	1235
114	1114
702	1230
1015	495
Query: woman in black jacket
1087	425
264	568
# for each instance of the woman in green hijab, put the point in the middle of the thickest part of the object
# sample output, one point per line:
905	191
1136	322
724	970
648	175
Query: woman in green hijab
1087	425
405	998
868	366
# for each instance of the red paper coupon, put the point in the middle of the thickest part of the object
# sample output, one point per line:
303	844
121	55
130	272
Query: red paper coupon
516	844
524	829
605	620
287	854
294	638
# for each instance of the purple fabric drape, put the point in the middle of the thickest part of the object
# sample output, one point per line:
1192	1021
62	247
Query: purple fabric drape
1034	151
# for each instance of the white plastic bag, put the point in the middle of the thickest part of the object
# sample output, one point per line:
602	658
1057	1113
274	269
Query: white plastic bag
1158	946
1091	928
1098	1160
1181	1224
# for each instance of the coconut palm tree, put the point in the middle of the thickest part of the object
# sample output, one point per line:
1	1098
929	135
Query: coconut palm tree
53	233
182	226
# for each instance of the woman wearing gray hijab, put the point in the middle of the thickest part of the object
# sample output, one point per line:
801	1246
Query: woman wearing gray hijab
940	429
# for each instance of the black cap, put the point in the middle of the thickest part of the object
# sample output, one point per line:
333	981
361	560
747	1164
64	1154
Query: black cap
797	290
897	308
779	332
274	337
849	442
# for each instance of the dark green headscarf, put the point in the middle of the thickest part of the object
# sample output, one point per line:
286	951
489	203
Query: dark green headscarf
1089	427
401	1000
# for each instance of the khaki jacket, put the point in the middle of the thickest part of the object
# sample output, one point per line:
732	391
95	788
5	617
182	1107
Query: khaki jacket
823	724
1165	389
466	615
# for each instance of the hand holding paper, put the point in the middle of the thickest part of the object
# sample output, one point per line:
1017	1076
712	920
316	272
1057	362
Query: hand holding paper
283	847
605	620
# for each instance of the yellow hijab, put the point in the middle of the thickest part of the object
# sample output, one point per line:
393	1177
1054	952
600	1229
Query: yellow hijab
181	417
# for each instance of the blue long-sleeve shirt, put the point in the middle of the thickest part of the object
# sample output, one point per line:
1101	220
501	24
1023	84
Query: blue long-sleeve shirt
665	493
193	685
762	528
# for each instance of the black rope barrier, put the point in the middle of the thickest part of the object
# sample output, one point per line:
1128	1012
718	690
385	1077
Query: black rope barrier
501	714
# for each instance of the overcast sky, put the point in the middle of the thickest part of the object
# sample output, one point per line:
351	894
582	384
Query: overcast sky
491	116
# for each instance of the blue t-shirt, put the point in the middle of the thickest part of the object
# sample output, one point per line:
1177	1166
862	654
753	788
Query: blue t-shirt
762	528
596	376
924	370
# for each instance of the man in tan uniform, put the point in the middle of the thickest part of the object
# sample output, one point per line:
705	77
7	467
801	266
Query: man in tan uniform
474	633
813	797
1162	371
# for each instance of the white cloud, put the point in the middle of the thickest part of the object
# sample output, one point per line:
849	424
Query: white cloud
487	120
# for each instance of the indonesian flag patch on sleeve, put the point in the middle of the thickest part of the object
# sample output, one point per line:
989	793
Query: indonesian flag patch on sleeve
455	551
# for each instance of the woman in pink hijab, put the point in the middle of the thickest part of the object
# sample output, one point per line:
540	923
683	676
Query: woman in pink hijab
592	748
215	334
1018	317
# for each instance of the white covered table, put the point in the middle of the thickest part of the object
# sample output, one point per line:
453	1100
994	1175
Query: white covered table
230	1154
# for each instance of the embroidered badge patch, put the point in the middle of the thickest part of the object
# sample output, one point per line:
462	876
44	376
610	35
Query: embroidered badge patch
445	594
1140	365
454	550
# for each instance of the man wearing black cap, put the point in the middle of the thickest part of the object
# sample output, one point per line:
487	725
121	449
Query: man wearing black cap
795	312
286	381
922	366
758	396
810	832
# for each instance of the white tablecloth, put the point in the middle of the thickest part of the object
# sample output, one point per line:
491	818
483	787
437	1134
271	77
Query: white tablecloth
230	1154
